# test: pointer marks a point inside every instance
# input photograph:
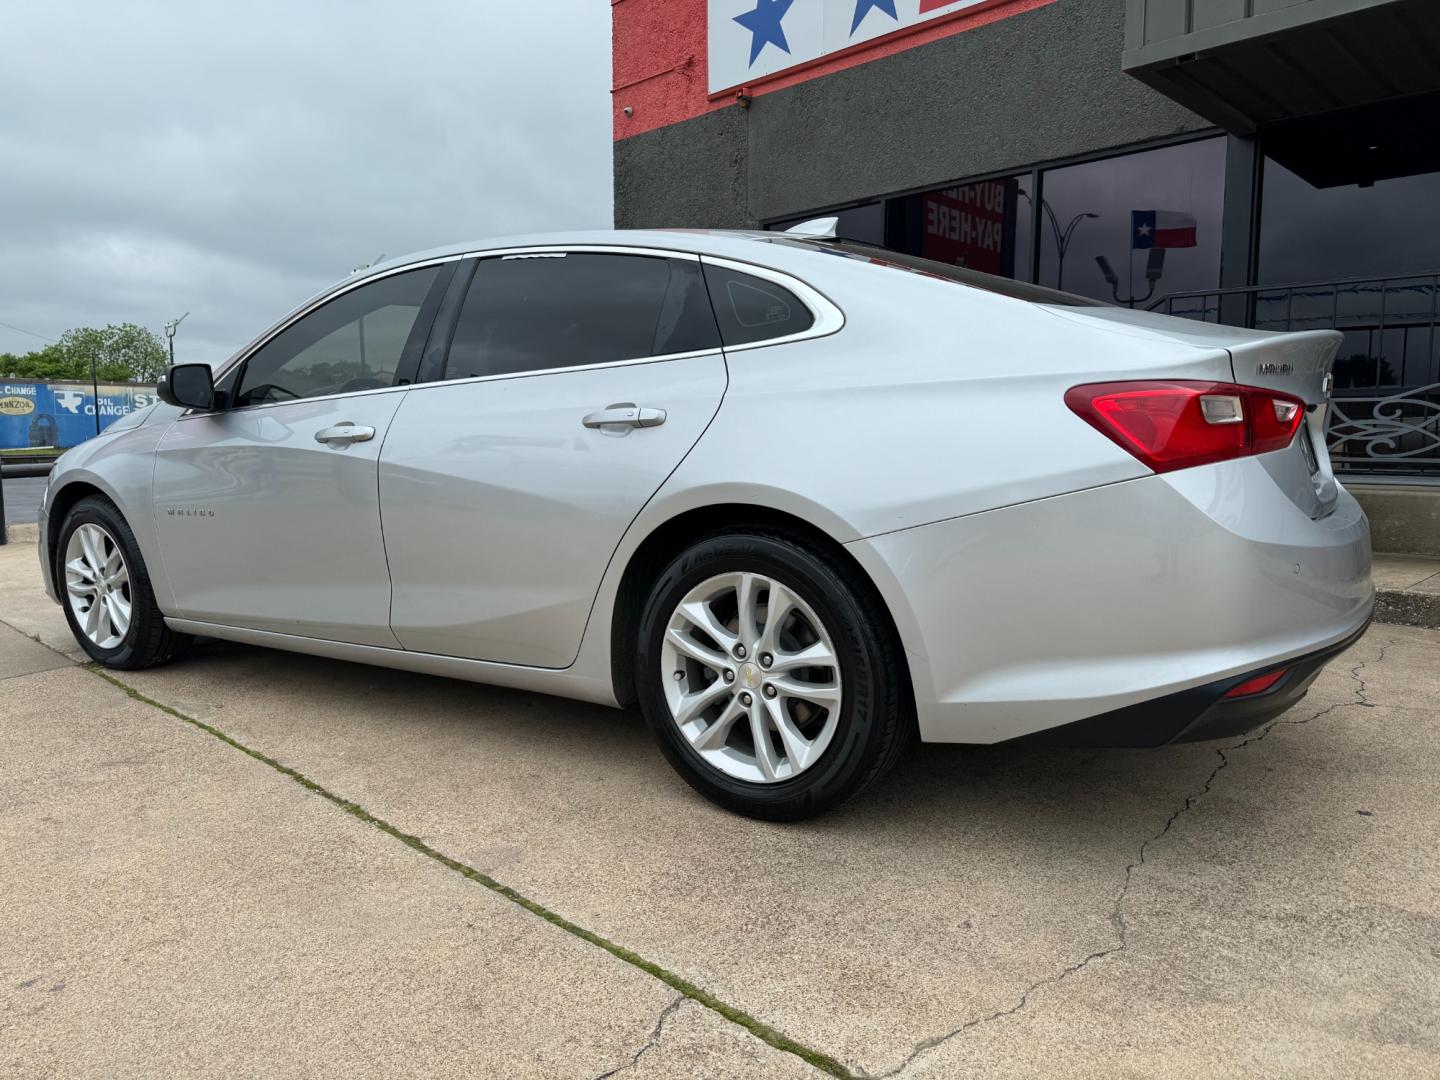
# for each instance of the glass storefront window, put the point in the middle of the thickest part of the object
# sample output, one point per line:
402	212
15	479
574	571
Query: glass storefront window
1154	217
1319	234
1391	228
983	226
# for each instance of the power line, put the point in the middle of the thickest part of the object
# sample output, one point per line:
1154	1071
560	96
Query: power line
22	330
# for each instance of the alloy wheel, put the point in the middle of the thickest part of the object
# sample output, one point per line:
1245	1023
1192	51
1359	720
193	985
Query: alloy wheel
97	585
752	677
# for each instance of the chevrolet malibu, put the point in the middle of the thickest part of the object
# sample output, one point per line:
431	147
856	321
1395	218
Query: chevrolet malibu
800	499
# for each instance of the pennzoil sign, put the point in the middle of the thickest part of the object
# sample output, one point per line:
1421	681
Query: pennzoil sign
14	405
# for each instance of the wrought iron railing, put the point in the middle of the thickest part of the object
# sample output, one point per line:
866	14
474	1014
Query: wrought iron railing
1385	417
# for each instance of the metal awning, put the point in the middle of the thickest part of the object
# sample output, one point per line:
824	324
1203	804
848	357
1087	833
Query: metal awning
1262	65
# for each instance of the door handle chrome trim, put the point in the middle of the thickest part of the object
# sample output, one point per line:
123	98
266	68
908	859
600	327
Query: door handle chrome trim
626	413
344	434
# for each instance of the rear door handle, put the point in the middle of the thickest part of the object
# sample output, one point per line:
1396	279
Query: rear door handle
625	413
344	434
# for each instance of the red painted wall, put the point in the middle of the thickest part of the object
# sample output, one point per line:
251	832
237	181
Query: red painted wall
660	58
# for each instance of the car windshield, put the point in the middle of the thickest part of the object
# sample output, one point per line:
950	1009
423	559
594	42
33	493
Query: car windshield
1018	290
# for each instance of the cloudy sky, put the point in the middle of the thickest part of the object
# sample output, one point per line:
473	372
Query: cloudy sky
158	157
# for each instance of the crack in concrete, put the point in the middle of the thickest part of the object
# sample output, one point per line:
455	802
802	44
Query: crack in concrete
830	1065
1117	914
650	1043
686	989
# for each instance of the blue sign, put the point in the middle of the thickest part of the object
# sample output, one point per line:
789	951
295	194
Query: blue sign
62	414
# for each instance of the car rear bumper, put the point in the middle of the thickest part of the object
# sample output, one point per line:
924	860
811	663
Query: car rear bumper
1033	617
1200	713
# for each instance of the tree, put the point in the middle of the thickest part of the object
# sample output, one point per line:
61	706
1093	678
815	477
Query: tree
123	353
126	351
51	362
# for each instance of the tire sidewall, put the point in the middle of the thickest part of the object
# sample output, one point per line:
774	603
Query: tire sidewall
855	745
143	612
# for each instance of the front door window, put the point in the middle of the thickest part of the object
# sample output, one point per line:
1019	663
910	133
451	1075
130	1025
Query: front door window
355	342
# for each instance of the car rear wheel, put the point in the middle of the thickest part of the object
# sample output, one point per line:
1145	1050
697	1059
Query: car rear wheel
106	590
770	676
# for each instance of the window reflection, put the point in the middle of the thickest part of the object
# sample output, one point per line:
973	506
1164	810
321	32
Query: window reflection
1390	228
1323	234
983	226
1154	217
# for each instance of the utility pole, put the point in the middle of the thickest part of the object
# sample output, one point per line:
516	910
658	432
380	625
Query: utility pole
95	389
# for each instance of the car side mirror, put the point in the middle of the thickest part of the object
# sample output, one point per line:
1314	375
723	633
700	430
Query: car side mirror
190	386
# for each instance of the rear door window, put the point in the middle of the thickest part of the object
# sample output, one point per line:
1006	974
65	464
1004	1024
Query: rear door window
538	312
750	309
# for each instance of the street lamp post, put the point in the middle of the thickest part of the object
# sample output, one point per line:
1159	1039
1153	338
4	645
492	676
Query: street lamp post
170	328
1154	271
1063	237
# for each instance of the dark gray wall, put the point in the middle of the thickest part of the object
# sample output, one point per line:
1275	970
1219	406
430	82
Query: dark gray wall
690	174
1036	87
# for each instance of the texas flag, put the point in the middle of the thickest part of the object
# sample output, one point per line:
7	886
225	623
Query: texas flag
1161	229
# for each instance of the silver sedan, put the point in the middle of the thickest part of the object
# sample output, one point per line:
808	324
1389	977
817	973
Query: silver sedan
802	500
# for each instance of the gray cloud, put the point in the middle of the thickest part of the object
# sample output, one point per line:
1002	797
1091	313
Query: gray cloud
231	160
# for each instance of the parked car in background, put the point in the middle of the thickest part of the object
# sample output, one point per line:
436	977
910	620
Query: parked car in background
800	499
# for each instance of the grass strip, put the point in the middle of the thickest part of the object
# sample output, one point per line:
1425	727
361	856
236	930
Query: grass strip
760	1030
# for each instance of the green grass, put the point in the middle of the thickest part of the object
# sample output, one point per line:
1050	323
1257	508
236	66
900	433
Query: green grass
32	451
763	1031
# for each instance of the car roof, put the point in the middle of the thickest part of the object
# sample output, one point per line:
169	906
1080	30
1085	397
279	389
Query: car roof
781	251
734	243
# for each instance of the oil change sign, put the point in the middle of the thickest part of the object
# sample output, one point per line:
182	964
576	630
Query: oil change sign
62	414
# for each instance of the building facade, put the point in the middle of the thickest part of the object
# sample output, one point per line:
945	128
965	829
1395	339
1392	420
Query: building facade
1270	163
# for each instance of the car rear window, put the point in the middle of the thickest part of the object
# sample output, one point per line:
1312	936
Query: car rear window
1018	290
751	309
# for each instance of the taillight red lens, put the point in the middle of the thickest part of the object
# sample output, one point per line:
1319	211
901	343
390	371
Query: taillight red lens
1179	424
1257	685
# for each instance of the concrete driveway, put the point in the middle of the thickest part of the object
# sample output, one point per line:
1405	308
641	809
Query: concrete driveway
256	863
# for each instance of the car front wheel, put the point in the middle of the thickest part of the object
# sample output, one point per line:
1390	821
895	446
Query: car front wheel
770	677
105	589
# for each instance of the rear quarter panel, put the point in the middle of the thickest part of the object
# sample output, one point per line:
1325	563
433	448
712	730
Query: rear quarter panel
934	401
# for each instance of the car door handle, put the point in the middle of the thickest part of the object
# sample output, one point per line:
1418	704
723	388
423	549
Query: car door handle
344	434
627	413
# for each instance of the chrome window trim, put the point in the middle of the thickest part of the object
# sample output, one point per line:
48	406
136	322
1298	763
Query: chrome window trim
509	375
584	249
316	303
436	383
829	319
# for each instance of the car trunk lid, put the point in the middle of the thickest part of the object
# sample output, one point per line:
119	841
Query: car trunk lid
1297	364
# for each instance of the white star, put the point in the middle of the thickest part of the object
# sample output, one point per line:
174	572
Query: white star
1144	230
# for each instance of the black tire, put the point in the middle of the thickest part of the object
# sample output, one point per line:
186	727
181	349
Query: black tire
148	641
876	715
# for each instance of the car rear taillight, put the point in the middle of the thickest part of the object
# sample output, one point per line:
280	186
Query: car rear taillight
1257	685
1178	424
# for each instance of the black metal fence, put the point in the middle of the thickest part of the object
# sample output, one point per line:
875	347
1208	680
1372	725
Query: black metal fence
1385	418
